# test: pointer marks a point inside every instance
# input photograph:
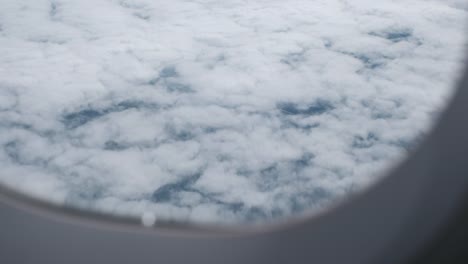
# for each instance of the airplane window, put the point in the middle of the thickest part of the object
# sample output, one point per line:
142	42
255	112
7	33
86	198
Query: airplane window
226	112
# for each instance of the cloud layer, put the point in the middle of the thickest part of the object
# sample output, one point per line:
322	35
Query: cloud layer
218	111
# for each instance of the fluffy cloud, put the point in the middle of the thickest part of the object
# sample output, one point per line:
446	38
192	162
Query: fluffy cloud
218	111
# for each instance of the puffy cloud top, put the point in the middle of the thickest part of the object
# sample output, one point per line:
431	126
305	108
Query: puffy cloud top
218	111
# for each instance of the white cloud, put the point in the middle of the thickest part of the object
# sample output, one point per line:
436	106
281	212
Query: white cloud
218	110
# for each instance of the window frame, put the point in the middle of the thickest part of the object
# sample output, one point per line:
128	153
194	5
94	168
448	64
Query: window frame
394	221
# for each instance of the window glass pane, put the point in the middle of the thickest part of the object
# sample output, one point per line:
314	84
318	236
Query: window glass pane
235	111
